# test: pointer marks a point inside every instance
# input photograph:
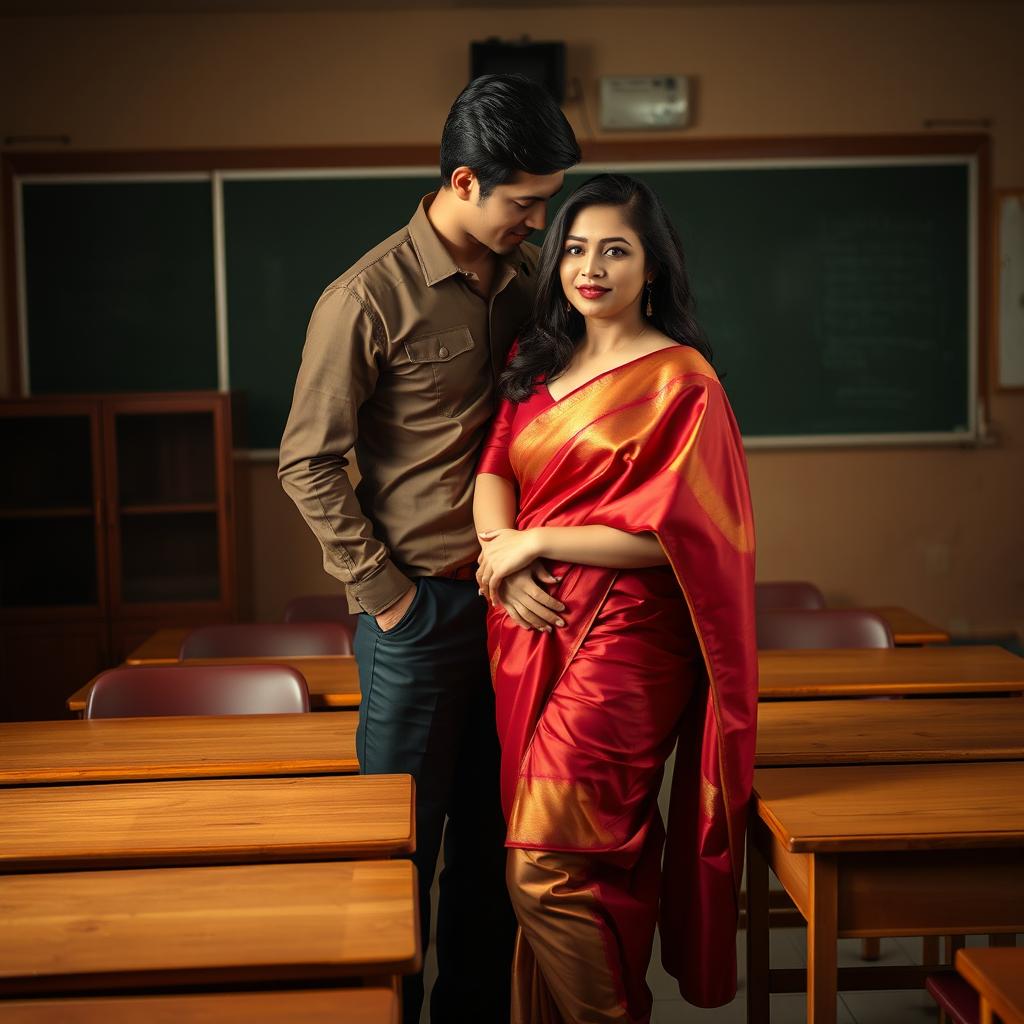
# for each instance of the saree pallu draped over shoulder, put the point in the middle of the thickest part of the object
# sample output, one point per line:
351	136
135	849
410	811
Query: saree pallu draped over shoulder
587	714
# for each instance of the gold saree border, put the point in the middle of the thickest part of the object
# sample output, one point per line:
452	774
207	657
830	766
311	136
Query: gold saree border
539	441
555	814
560	913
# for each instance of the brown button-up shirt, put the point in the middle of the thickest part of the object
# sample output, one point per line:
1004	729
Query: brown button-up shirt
400	363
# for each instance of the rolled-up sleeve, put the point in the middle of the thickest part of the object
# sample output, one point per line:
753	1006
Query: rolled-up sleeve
341	362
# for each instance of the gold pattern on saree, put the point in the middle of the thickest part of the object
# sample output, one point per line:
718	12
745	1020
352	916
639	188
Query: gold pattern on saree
561	927
708	797
611	430
556	813
735	530
539	441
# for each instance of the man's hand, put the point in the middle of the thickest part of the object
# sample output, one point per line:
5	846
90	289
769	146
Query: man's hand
529	605
391	616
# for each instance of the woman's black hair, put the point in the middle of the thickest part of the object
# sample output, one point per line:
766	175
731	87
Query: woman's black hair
547	343
501	124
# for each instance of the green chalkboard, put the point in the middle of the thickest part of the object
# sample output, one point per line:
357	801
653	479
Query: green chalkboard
835	298
286	239
836	295
119	286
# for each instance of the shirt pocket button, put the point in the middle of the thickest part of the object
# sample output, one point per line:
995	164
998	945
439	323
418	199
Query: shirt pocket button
442	352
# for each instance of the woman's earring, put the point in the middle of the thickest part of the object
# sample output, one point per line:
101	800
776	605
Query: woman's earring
650	308
568	306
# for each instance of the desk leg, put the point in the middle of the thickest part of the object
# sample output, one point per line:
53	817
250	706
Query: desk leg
758	934
822	941
985	1015
930	954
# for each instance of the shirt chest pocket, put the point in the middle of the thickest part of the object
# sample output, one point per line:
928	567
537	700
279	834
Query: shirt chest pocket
445	362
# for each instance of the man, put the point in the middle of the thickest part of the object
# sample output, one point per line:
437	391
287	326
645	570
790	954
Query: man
400	362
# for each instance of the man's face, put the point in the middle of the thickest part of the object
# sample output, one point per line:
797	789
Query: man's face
512	211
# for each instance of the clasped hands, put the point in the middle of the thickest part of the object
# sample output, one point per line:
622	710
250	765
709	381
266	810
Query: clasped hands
509	572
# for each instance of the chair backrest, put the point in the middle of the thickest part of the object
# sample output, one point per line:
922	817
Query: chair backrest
828	627
138	691
789	594
267	640
321	608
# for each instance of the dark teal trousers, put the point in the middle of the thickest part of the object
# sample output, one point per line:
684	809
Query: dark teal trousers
428	710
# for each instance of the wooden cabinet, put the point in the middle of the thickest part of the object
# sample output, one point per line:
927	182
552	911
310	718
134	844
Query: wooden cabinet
116	517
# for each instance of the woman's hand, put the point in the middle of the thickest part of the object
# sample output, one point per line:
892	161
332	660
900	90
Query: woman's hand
527	603
502	553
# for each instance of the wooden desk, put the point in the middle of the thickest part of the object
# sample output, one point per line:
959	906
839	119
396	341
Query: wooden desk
785	675
823	732
218	746
998	976
800	675
208	821
928	849
333	680
112	930
161	648
326	1006
909	629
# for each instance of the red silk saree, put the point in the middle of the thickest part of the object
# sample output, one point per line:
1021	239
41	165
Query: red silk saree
588	713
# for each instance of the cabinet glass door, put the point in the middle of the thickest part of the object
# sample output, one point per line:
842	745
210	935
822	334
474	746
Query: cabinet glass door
48	528
167	507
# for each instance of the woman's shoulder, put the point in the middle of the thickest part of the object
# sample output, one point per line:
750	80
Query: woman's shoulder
684	359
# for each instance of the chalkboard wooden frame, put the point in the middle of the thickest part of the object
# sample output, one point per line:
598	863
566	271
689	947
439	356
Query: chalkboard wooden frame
1002	379
975	148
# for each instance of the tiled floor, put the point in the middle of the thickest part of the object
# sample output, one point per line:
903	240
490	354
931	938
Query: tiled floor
788	949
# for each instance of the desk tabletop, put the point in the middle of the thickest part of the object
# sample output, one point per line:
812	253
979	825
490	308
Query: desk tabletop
893	807
908	628
205	925
160	647
998	976
903	670
205	821
822	732
216	746
332	680
325	1006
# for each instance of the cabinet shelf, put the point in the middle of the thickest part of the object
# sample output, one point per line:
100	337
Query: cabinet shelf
42	512
168	508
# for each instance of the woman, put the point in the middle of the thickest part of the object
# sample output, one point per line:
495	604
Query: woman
614	458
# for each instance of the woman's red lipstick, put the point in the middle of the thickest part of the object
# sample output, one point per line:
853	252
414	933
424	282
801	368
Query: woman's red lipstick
591	291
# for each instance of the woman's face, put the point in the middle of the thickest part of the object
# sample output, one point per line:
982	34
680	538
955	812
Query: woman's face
603	265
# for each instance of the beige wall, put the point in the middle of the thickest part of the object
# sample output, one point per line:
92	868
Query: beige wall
936	530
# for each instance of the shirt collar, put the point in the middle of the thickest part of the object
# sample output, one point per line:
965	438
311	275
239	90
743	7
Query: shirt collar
435	260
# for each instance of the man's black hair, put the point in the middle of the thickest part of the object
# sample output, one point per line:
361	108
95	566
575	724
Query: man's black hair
501	124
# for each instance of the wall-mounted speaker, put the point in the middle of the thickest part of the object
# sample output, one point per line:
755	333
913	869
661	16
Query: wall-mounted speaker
543	62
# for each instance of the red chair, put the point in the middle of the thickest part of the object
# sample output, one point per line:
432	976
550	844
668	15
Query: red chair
793	594
142	691
794	629
267	640
321	608
957	999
